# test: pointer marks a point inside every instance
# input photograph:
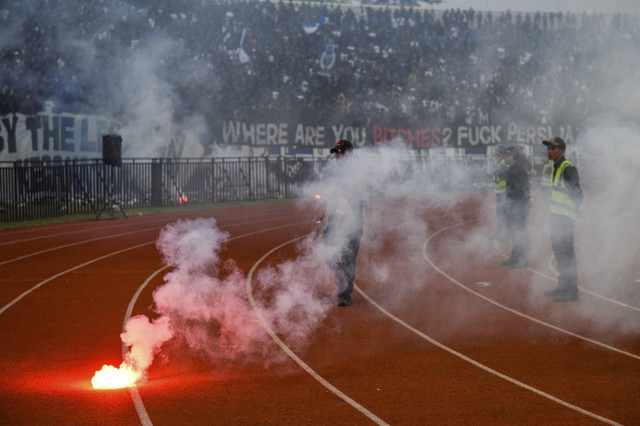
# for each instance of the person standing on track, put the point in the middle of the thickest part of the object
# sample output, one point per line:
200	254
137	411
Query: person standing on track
499	182
545	180
517	209
566	198
341	222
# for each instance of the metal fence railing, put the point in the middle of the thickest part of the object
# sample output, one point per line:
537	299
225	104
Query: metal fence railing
35	190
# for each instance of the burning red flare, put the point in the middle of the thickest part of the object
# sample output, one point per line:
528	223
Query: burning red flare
110	377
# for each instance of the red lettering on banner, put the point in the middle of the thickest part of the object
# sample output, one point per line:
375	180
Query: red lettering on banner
414	140
377	136
421	138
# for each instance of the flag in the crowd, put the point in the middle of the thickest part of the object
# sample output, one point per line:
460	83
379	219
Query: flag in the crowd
243	58
327	60
312	28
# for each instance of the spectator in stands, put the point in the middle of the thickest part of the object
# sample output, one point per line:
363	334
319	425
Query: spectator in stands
462	65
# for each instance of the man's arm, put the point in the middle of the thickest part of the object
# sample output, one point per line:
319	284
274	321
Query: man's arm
572	182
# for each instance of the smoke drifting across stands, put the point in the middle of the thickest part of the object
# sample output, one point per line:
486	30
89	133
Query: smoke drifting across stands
179	77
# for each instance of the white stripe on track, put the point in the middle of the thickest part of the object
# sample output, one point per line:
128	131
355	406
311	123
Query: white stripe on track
551	264
59	274
161	220
508	309
292	355
133	390
77	243
592	293
112	236
41	283
482	366
370	415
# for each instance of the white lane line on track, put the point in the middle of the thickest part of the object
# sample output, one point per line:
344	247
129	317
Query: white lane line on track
586	290
99	228
482	366
506	308
551	264
102	238
41	283
552	267
133	390
135	395
41	237
291	354
319	378
77	243
59	274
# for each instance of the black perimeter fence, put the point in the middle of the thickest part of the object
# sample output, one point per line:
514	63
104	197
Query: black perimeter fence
32	190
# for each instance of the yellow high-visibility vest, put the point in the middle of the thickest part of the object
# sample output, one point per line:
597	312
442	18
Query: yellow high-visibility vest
500	180
561	203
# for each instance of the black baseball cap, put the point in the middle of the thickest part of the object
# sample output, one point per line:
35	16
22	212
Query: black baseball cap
512	151
557	142
342	146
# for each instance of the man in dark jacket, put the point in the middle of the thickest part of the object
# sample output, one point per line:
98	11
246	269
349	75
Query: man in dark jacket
341	222
565	200
499	181
517	210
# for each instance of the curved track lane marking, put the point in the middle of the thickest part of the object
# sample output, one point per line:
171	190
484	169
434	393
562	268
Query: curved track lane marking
291	354
99	228
351	402
133	390
59	274
482	366
506	308
77	243
592	293
551	264
105	237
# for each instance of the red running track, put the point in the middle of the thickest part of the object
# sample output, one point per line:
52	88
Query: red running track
438	332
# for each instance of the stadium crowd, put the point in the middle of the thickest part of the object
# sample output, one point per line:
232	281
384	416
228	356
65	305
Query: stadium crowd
240	59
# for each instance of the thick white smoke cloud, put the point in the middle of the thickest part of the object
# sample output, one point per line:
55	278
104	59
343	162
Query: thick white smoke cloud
203	304
144	339
301	293
395	196
203	297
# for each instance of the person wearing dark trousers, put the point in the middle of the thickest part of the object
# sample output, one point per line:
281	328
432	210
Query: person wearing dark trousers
341	224
499	172
566	198
517	210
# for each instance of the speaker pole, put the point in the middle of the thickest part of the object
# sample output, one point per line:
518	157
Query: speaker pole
110	203
111	146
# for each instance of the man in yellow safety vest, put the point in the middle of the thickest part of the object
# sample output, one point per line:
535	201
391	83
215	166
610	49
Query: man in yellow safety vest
499	177
565	200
